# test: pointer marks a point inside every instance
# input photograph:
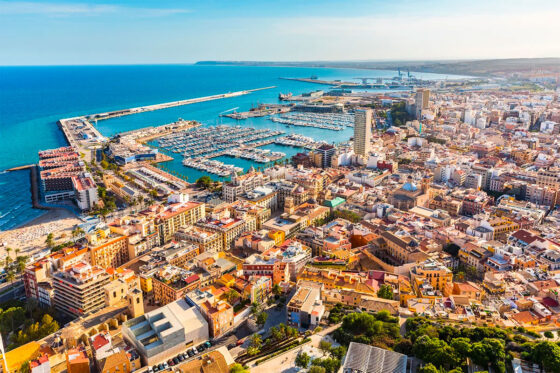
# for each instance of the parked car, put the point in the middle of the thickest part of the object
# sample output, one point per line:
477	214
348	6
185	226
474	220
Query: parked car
176	360
208	344
150	370
190	352
194	350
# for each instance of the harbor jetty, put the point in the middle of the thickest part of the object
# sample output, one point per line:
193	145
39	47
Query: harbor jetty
166	105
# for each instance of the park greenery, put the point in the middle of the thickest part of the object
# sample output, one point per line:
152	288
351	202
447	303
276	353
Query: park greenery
21	323
448	348
399	114
348	215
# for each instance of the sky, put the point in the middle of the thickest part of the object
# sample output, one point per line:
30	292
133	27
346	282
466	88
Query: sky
63	32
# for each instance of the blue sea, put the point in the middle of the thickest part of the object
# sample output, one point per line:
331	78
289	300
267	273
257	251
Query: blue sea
32	99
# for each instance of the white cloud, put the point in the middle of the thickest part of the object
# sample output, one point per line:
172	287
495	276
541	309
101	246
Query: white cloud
423	37
69	9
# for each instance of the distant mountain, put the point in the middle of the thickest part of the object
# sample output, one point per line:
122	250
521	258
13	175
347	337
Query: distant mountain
495	67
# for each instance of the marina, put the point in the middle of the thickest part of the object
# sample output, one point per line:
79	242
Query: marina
211	166
255	154
298	141
199	145
328	121
211	142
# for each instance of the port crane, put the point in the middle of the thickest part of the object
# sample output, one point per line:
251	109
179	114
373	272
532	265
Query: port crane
365	80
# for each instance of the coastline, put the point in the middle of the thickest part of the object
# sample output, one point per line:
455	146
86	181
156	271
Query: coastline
29	237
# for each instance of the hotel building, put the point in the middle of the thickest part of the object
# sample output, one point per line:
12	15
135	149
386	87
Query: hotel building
79	290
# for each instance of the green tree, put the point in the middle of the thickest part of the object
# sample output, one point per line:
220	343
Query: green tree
452	249
10	277
21	262
276	290
385	292
435	351
204	182
488	351
276	334
238	368
548	354
325	347
256	341
462	347
25	368
261	318
255	308
548	334
231	296
428	368
77	232
49	241
302	360
331	365
317	369
338	352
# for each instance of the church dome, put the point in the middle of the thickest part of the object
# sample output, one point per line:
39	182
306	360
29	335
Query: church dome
410	187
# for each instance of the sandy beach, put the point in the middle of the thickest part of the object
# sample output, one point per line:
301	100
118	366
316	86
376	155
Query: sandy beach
30	237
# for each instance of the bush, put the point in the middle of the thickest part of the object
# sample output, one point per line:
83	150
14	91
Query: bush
548	334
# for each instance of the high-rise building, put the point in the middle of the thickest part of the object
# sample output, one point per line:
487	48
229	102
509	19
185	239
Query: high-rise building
325	153
422	101
362	131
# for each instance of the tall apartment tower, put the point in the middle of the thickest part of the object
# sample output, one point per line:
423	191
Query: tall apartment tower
362	131
422	101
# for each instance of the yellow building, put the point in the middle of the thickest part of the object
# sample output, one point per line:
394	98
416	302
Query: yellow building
277	236
206	239
335	279
178	215
146	284
502	228
107	249
434	272
16	357
402	248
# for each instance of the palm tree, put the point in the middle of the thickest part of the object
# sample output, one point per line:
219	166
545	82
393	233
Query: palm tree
49	240
21	261
8	249
10	276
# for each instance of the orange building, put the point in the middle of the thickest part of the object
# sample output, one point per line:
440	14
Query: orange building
77	361
219	316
